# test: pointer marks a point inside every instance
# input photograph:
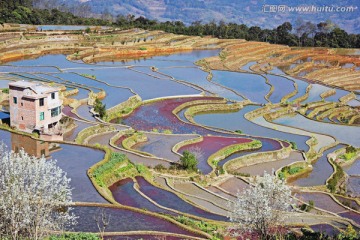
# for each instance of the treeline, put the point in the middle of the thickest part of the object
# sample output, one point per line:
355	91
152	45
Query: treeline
302	34
22	11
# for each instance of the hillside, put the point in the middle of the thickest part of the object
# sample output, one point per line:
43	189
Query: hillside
247	12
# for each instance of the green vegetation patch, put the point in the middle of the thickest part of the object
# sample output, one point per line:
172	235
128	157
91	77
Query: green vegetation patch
209	228
5	90
116	168
75	236
349	154
334	180
288	171
88	76
227	151
188	161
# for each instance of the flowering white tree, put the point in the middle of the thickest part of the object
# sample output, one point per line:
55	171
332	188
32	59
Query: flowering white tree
260	208
34	196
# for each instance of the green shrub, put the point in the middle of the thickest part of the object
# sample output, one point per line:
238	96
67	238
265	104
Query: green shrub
88	75
100	108
141	168
159	167
350	149
293	145
201	225
115	159
167	131
333	181
307	207
142	48
5	90
189	161
75	236
294	170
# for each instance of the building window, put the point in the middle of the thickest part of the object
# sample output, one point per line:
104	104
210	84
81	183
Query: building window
53	95
55	111
15	100
41	102
42	152
22	118
42	116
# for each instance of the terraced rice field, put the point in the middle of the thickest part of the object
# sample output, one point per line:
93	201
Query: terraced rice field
298	101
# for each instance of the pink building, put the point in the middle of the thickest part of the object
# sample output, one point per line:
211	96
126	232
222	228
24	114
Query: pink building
35	107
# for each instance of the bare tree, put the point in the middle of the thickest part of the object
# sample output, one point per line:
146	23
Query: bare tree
34	196
260	208
102	221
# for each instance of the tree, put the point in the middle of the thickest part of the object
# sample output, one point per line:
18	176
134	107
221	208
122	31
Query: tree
100	108
260	208
349	234
189	161
34	196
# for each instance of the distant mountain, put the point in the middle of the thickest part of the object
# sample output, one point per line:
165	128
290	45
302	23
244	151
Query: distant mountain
251	12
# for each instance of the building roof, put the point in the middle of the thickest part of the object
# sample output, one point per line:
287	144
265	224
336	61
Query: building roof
38	88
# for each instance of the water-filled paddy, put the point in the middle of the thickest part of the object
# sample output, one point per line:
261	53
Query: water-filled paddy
353	186
113	96
268	145
209	146
123	220
234	185
161	145
125	194
321	171
339	93
345	134
269	167
351	215
159	116
171	200
63	27
322	201
58	60
326	229
353	103
193	190
198	77
353	169
71	135
74	160
301	87
176	59
314	94
4	83
247	66
84	112
252	86
236	121
282	87
24	69
147	87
